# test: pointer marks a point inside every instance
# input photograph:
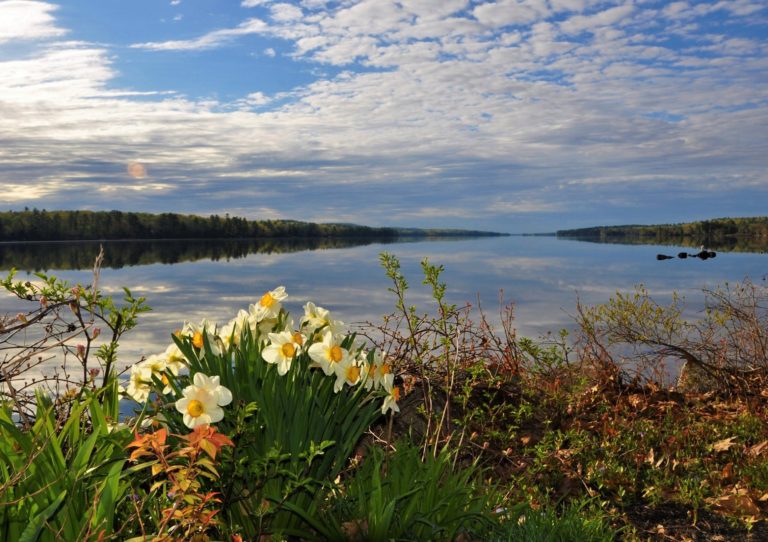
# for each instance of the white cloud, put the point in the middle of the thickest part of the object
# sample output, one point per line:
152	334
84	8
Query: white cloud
285	13
500	206
610	16
486	120
27	20
253	3
510	12
210	40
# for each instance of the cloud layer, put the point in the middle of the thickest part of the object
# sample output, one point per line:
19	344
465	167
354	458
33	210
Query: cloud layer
514	115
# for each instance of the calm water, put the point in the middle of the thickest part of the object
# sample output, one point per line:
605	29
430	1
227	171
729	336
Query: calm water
543	276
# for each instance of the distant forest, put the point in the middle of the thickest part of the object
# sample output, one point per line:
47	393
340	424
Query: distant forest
750	233
37	225
42	225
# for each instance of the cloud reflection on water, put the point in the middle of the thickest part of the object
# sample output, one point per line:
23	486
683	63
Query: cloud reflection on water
542	276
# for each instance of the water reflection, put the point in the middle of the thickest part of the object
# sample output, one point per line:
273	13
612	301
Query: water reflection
727	244
118	254
543	276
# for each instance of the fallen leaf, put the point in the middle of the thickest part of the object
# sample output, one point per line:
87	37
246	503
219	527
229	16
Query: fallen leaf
741	505
757	449
724	445
650	458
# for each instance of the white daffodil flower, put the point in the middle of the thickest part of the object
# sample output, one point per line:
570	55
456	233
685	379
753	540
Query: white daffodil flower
281	350
156	363
198	331
393	394
382	371
269	305
347	372
326	353
368	369
174	359
202	401
231	332
139	383
317	317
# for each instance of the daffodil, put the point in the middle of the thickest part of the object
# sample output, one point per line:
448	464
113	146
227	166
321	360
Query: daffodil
140	383
174	359
205	329
282	350
383	370
231	332
368	371
211	384
158	365
269	305
327	353
317	318
393	394
347	372
202	401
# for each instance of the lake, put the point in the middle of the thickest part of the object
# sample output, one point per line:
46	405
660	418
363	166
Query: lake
542	276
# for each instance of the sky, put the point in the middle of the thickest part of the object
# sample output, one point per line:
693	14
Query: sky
510	115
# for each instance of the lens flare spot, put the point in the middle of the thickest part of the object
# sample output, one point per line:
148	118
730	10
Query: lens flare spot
136	170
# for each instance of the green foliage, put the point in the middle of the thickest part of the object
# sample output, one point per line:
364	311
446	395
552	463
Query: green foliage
74	320
575	524
61	481
398	496
293	434
724	349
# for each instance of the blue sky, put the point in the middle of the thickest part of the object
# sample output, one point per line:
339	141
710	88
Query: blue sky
511	115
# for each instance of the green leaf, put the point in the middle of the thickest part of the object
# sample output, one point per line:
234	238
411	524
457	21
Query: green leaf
32	532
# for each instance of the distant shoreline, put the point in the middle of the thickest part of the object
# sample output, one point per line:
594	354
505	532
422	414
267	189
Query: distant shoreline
747	234
76	226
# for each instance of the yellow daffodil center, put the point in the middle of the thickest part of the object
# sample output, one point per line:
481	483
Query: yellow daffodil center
385	369
335	353
267	300
288	350
197	339
164	379
297	338
396	393
353	373
195	408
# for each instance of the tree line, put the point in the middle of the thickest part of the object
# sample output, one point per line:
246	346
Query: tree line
724	233
42	225
43	256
